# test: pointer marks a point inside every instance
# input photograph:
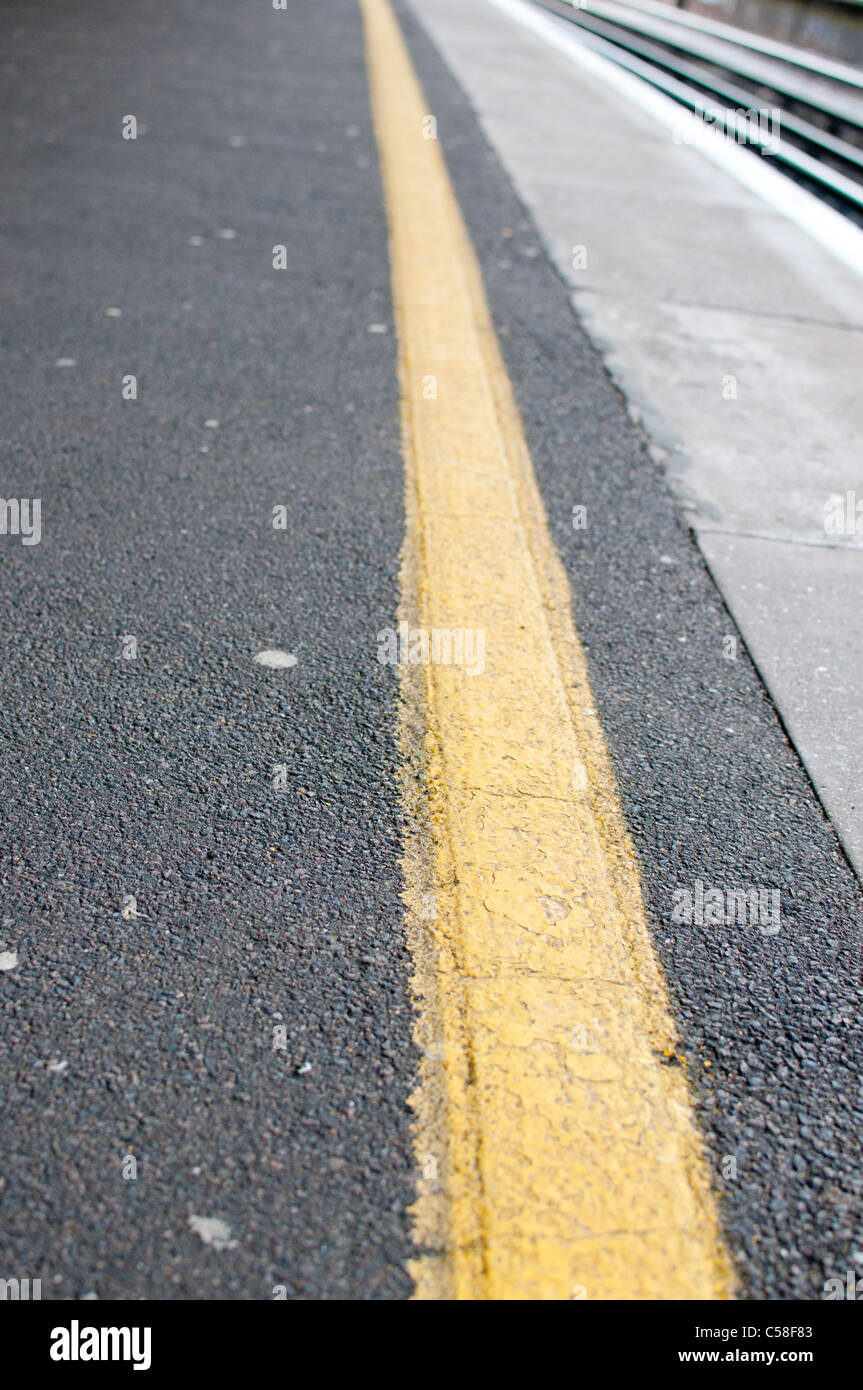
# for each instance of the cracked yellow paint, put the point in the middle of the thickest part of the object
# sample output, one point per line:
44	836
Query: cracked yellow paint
558	1151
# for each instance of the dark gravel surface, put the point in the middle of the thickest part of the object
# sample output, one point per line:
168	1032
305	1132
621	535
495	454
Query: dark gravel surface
260	906
771	1024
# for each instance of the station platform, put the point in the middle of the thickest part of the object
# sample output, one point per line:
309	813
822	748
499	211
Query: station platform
735	334
430	778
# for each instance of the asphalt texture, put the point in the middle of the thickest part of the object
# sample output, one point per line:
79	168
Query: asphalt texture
260	905
252	813
712	790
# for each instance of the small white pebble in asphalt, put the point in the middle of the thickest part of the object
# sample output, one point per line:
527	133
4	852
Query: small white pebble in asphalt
226	233
57	1066
306	1067
8	960
377	328
113	312
213	1231
196	241
65	362
275	658
211	424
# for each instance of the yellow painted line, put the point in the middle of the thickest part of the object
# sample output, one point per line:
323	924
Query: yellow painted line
558	1152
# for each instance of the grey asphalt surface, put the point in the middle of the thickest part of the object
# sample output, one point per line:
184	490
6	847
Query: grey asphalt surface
771	1025
265	906
260	907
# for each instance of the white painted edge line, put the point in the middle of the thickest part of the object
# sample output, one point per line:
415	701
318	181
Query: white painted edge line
833	231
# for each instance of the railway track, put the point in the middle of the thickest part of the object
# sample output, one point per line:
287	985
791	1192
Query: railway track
802	111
